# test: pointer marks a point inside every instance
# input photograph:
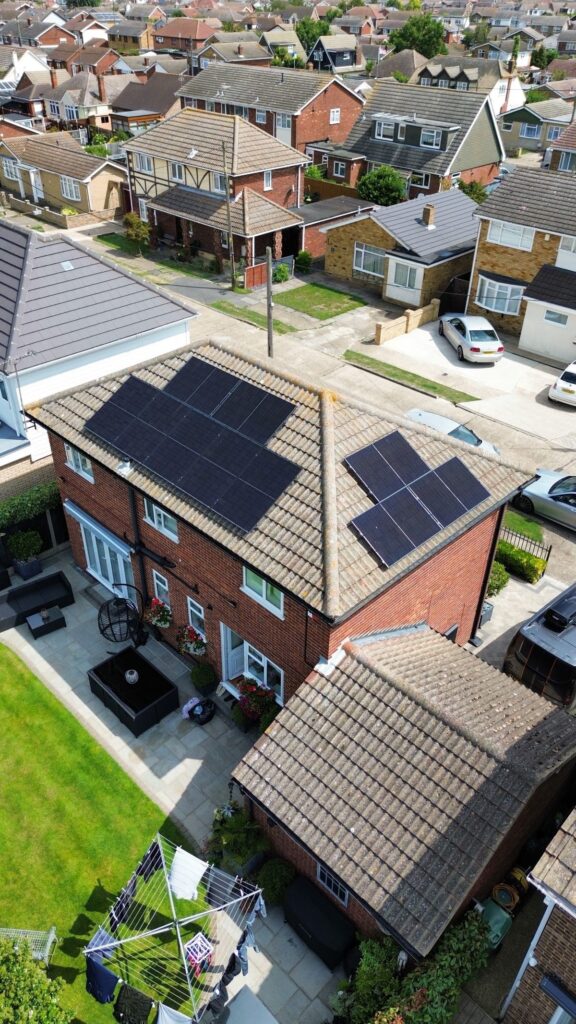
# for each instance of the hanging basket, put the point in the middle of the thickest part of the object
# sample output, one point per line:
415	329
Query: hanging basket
158	614
190	641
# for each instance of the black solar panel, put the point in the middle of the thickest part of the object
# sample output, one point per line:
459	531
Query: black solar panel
214	389
133	395
270	473
400	455
370	469
462	483
382	535
443	505
231	451
243	505
264	421
141	438
188	379
204	481
411	516
240	404
110	422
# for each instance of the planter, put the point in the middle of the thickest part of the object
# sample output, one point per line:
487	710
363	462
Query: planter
26	570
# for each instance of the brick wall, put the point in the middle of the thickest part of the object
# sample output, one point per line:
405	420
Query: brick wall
484	174
340	250
438	277
313	124
556	954
284	185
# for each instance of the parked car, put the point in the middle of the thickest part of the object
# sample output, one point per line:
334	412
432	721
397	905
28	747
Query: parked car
564	387
444	425
473	337
551	495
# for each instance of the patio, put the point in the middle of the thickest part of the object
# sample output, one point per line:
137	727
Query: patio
184	768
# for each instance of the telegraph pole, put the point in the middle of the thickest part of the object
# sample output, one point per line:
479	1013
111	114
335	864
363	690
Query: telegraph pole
229	221
269	303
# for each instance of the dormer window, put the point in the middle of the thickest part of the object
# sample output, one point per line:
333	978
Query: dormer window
431	138
384	130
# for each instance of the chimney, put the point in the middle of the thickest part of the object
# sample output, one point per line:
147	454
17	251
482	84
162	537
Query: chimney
53	78
29	21
101	88
240	50
429	215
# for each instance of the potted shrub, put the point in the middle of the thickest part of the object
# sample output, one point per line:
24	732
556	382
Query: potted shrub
158	614
241	719
237	844
190	641
204	678
254	700
24	548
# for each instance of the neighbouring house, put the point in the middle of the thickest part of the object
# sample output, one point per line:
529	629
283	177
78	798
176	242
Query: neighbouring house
564	65
410	251
84	100
563	154
14	126
234	52
131	35
26	32
322	214
336	53
185	34
87	30
470	74
283	39
29	98
544	990
361	28
432	137
535	126
297	107
147	12
566	43
69	318
261	536
143	104
75	59
524	273
407	776
190	173
405	63
550	24
503	49
15	61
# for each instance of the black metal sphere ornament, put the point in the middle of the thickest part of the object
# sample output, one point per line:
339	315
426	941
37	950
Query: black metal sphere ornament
120	620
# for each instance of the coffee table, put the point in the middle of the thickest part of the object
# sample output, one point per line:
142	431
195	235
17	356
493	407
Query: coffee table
41	627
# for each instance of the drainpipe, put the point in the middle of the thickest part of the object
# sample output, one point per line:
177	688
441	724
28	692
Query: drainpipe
529	956
138	543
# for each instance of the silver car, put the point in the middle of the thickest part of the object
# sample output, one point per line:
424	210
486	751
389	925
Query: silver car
473	337
451	428
551	495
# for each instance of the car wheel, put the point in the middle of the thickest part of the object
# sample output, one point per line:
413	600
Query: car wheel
460	353
440	328
523	504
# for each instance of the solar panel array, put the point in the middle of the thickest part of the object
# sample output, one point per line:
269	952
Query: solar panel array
413	502
205	434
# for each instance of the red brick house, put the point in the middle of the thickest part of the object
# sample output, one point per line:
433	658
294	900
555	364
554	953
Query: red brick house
27	32
185	34
297	107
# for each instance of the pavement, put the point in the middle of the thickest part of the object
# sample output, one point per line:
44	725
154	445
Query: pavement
514	604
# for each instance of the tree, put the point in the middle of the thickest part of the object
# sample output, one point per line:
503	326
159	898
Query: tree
414	5
421	32
309	31
137	231
383	186
542	57
475	36
283	59
26	993
400	77
474	190
535	95
177	13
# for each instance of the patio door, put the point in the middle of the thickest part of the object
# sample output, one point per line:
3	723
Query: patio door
110	566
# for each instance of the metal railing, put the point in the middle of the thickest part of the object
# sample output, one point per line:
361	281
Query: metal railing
533	547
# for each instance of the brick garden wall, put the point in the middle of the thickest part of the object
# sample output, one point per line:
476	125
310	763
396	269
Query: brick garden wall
556	954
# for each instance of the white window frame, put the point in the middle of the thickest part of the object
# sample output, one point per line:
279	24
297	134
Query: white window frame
409	273
78	463
506	126
568	243
54	108
339	169
143	210
530	131
10	168
554	132
424	183
70	188
143	163
177	172
161	588
196	616
332	884
284	121
267	181
512	236
554	317
384	130
436	140
210	106
224	240
252	654
219	179
567	160
260	591
204	62
70	112
160	519
261	116
462	86
401	132
361	252
335	115
500	291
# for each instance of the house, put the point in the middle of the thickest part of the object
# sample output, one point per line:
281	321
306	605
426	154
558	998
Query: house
410	251
147	12
14	126
143	104
336	53
455	21
191	173
75	59
471	74
26	32
297	107
566	44
432	137
276	580
406	62
132	36
85	99
15	61
235	53
406	759
545	986
524	273
87	30
563	151
535	126
355	26
317	217
57	332
185	34
550	24
503	49
285	40
529	38
53	170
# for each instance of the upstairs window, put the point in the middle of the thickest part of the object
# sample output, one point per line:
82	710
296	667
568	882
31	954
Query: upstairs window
431	138
260	117
177	172
161	589
210	106
264	592
335	115
71	113
515	236
78	462
219	182
54	107
267	181
10	167
160	519
143	162
384	130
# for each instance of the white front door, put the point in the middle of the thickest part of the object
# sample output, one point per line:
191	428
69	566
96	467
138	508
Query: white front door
103	561
233	648
37	186
284	128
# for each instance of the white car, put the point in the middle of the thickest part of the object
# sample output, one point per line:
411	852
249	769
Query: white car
451	428
564	387
473	337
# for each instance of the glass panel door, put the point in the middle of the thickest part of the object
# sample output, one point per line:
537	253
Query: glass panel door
105	563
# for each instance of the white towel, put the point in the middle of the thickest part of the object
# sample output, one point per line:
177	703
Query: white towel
185	874
166	1015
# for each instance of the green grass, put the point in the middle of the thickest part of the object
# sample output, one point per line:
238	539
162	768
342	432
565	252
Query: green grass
195	268
251	317
318	301
430	387
520	523
72	827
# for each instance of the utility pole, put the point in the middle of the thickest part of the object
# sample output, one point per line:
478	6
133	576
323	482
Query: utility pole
229	221
269	303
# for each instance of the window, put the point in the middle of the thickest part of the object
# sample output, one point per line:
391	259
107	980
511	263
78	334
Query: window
339	169
443	83
368	259
462	86
224	239
420	180
70	188
261	116
3	392
142	210
283	120
10	167
196	616
267	181
554	132
161	590
401	132
568	243
499	296
556	318
384	130
160	519
220	182
204	62
177	172
430	138
530	131
332	883
567	161
263	670
79	463
513	235
506	126
143	162
324	158
335	115
159	39
265	593
54	107
70	113
210	106
404	276
188	102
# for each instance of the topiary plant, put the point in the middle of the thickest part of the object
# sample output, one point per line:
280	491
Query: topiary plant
499	577
25	545
204	678
274	878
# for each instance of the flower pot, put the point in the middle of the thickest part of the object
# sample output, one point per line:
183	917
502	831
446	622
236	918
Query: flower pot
26	570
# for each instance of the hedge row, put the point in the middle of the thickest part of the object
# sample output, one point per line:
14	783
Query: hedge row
29	504
520	563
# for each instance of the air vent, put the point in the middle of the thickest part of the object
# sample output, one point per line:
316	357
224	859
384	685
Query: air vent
67	265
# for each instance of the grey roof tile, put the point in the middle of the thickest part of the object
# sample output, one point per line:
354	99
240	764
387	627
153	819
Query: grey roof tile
556	869
535	198
553	285
455	227
250	213
281	89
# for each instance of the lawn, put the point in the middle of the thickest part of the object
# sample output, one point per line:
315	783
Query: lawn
252	317
429	387
114	240
318	301
520	523
72	826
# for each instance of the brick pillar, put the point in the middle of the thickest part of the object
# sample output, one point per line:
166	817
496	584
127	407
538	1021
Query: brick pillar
277	245
186	238
249	245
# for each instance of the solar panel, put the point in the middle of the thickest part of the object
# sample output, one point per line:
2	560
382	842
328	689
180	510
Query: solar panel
410	516
240	404
188	379
243	505
264	421
140	438
462	483
214	389
383	536
375	475
231	451
443	505
110	422
204	481
133	394
270	473
400	455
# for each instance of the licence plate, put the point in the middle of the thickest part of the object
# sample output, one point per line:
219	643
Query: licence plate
568	391
489	351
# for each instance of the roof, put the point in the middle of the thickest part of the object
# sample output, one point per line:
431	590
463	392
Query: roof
196	138
86	55
551	110
455	227
402	768
406	61
229	51
553	285
157	95
127	28
49	312
58	152
304	544
567	140
187	28
555	872
534	198
329	209
434	105
336	43
281	89
83	87
484	71
251	213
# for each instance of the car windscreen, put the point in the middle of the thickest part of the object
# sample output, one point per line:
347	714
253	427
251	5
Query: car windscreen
463	434
569	376
484	335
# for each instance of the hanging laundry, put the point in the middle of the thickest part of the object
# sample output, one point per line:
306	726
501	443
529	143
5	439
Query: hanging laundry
219	999
101	945
132	1006
121	908
100	982
258	910
151	862
233	968
185	874
247	941
166	1015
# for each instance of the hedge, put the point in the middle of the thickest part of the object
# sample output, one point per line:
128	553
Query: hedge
29	504
520	563
499	577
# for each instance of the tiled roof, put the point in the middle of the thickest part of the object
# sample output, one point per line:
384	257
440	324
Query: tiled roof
83	87
196	138
281	89
187	28
127	28
237	52
406	61
539	199
304	543
567	140
455	227
402	767
556	869
337	43
158	94
56	152
551	110
251	213
553	285
479	69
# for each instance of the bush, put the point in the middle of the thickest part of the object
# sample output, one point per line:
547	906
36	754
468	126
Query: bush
29	504
303	261
240	719
97	149
274	878
69	211
375	985
498	579
137	231
280	274
316	171
235	835
26	991
204	678
268	717
24	545
520	563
